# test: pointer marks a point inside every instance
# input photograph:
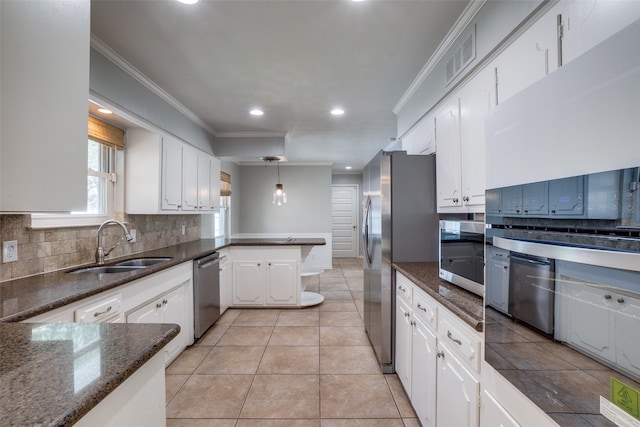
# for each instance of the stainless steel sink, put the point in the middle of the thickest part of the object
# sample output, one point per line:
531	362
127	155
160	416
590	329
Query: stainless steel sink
101	269
143	262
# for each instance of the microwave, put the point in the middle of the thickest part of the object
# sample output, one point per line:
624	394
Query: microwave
461	250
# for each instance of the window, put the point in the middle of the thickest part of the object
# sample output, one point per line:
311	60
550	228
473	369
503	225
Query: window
221	218
101	177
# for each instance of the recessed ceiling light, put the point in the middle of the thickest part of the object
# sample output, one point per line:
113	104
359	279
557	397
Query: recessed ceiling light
256	112
105	111
348	167
188	1
337	111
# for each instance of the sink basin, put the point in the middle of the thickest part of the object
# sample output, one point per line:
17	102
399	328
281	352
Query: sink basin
101	269
143	262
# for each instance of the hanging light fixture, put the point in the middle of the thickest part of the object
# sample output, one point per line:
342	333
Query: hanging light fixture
279	196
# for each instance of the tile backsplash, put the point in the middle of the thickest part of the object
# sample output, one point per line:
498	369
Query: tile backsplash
44	250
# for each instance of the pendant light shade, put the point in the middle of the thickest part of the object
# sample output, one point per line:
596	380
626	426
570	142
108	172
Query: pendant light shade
279	197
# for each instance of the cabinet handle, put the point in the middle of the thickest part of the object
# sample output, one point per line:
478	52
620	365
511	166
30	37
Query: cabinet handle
407	314
621	300
165	302
455	340
505	266
258	264
422	308
455	200
269	264
440	354
465	199
412	323
607	296
100	313
158	305
179	206
401	288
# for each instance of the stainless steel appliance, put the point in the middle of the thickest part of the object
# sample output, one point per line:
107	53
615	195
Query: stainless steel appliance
462	254
532	290
206	292
400	224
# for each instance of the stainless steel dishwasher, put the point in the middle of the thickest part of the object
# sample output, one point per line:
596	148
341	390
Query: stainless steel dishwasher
206	292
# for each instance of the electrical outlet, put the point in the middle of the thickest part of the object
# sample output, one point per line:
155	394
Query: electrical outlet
10	251
184	229
133	233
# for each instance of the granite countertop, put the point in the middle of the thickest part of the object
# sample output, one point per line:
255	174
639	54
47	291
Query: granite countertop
23	298
52	374
464	304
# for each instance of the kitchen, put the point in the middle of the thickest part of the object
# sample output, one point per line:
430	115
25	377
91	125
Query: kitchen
515	73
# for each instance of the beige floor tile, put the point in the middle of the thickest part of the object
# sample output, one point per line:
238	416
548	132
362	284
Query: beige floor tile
340	318
283	396
246	336
229	316
295	335
348	360
334	272
332	305
188	361
173	384
299	318
338	286
313	287
213	335
290	360
211	422
278	423
356	396
332	280
231	360
257	317
210	396
336	335
353	272
355	287
337	295
400	396
411	422
362	422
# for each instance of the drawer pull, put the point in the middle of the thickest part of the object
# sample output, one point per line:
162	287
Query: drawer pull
100	313
407	314
607	296
455	340
401	288
440	354
158	305
621	300
422	308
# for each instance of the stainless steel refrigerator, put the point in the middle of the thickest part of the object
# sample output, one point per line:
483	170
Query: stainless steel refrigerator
400	224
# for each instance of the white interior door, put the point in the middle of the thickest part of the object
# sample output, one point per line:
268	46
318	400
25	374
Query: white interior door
344	221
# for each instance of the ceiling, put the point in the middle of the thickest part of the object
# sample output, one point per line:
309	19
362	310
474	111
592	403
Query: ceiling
295	59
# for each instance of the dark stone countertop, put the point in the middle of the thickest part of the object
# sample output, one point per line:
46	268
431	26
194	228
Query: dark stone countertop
464	304
23	298
52	374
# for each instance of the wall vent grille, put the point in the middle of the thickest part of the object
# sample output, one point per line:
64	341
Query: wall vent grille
463	54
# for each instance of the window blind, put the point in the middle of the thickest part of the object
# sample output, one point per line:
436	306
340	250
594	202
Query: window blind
105	133
225	184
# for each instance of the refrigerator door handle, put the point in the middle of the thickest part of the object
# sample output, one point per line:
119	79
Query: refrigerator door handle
365	229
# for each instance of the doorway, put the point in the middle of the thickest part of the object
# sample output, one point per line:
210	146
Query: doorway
344	220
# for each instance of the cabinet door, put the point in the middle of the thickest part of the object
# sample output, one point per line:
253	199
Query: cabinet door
173	308
225	281
458	392
214	191
403	344
421	139
497	283
493	200
529	58
512	200
171	174
566	196
493	414
627	326
448	157
204	182
535	199
475	103
282	283
189	179
150	313
248	283
423	373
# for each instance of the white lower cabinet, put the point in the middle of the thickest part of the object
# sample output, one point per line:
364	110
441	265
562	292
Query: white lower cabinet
493	414
437	360
225	280
268	277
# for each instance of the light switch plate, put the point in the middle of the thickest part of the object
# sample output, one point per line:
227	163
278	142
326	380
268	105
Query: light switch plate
10	251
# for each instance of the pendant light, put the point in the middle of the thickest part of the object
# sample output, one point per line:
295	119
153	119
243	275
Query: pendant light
279	197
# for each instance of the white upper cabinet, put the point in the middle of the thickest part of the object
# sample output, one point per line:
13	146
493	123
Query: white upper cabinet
460	145
422	138
530	57
164	175
44	81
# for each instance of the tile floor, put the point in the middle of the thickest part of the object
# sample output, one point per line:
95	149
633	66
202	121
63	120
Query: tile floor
289	367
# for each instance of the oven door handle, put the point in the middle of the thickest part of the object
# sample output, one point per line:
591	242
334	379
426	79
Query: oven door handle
515	257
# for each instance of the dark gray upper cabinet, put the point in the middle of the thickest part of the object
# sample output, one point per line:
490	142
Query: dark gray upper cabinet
566	196
535	199
512	200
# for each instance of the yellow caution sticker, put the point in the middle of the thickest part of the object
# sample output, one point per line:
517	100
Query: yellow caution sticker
625	397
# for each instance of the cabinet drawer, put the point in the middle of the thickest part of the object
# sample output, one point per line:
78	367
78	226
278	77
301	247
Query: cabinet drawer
463	340
99	310
425	309
404	289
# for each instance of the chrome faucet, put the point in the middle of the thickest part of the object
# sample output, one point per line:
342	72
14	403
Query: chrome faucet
100	252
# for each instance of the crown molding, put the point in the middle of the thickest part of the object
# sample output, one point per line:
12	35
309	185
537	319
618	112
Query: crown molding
251	135
458	28
125	66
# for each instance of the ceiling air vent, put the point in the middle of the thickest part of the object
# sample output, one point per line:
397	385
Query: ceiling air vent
462	55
